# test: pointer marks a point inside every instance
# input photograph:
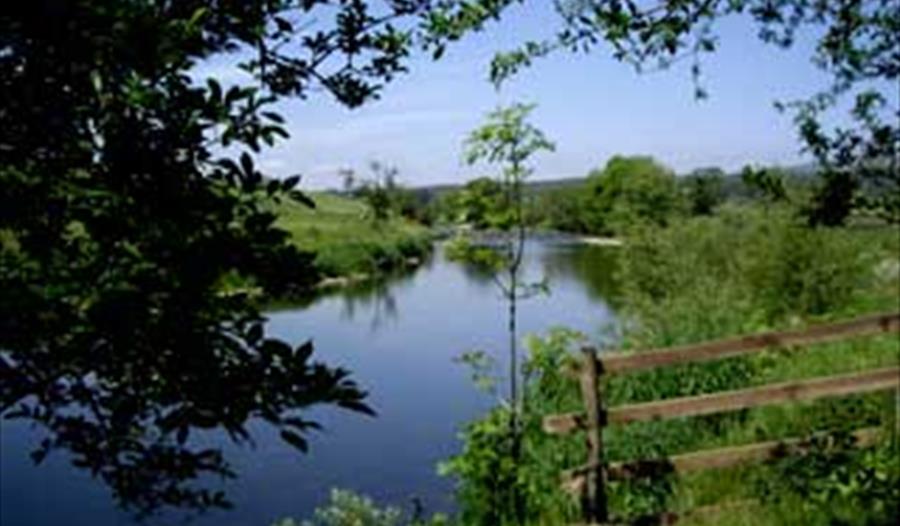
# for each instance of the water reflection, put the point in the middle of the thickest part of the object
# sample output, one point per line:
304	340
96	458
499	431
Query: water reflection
594	267
374	299
370	301
478	274
564	258
399	337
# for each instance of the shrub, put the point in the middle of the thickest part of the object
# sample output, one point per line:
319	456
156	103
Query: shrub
490	483
834	481
704	190
742	271
702	278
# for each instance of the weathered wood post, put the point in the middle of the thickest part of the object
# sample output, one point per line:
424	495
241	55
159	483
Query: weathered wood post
593	503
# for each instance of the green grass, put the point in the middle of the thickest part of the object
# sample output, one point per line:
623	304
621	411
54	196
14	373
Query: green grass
742	272
345	239
695	290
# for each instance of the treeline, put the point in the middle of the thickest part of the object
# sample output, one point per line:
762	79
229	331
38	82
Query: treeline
635	190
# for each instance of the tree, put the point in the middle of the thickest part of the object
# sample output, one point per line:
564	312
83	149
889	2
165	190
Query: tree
383	194
767	184
705	190
834	199
856	46
122	208
480	203
379	191
566	209
632	190
508	139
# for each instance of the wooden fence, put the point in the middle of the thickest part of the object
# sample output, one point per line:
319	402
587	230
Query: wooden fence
590	479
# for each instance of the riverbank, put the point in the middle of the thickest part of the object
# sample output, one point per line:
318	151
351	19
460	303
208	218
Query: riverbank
602	241
347	243
491	237
743	271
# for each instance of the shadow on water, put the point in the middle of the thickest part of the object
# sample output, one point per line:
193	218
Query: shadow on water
594	267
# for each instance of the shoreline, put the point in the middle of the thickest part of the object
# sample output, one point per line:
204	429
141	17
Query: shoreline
490	236
598	241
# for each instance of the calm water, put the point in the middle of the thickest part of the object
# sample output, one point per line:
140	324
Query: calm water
400	341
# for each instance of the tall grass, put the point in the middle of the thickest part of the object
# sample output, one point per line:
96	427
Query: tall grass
742	271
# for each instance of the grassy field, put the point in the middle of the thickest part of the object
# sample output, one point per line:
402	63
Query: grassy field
345	239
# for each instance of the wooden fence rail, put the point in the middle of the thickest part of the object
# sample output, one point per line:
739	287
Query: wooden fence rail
717	350
829	386
719	458
590	479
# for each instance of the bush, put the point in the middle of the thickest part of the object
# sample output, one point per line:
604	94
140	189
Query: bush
834	481
741	271
704	190
490	482
563	209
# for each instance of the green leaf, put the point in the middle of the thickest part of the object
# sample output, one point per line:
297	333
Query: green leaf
304	351
215	89
283	25
272	116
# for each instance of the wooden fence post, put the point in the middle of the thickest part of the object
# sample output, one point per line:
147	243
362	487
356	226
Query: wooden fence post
593	503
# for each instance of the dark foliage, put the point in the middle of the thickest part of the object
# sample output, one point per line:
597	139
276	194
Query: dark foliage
705	190
120	215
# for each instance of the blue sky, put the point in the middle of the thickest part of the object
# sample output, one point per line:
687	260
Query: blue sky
592	107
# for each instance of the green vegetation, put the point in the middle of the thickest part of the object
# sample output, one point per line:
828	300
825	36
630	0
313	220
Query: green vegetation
631	191
129	193
349	509
704	190
509	140
639	190
627	191
346	242
383	194
743	270
479	203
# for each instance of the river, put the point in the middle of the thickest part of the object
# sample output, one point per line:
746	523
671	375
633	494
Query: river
399	340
